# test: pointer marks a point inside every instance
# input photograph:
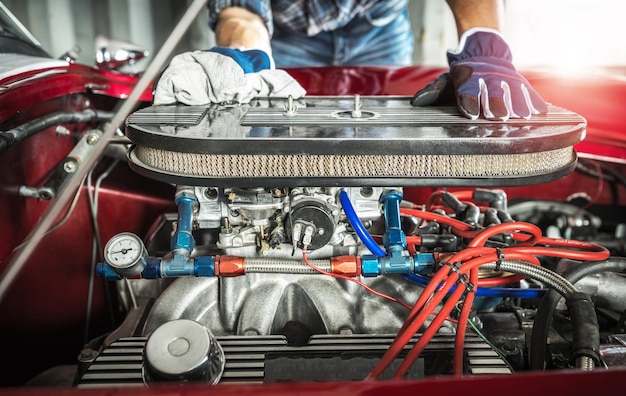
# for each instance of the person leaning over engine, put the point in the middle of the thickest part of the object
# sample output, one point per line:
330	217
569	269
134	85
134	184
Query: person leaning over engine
317	32
264	34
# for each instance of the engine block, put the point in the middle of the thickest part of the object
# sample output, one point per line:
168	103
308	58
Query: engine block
293	242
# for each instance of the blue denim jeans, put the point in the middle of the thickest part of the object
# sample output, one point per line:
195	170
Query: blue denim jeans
363	42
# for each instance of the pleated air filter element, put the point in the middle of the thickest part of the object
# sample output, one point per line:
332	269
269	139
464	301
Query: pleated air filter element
348	141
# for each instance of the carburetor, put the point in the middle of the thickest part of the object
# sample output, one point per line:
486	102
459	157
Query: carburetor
274	221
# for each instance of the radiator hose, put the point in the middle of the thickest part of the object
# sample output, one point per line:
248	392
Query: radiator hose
17	134
549	303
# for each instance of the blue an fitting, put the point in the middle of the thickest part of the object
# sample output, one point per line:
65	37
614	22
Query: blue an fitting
203	266
424	263
179	265
182	240
397	263
394	236
151	270
106	271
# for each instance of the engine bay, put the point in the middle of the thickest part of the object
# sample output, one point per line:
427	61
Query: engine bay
353	281
332	239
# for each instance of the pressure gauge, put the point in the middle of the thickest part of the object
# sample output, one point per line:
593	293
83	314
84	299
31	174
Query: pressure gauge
126	254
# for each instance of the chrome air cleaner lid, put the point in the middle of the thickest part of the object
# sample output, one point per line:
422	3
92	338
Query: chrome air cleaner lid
348	141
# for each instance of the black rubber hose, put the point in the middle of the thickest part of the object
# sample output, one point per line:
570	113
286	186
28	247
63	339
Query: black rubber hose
586	331
608	173
17	134
543	317
6	140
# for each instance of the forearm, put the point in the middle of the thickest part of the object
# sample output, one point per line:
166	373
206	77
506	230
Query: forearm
237	27
477	13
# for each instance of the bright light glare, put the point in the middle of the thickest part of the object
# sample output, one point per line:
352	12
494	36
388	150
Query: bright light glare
566	36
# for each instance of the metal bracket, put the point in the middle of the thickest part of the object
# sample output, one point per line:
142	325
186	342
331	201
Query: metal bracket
65	170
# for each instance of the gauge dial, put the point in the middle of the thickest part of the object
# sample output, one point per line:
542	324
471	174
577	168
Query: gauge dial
126	253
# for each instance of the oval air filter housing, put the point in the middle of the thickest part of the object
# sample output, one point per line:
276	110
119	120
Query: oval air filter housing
348	141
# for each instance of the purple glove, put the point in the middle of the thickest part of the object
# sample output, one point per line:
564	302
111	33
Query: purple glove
483	80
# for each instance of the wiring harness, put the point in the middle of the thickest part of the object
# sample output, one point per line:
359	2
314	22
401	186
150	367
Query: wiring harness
494	241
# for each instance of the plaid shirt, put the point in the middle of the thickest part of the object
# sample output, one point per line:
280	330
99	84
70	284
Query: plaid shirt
307	17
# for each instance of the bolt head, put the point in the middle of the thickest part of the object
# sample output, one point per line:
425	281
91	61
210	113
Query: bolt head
92	138
69	167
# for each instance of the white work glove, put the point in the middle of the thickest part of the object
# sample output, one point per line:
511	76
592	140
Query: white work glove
223	75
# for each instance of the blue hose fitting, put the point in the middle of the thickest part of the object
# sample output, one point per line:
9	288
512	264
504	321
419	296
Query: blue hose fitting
155	268
394	236
107	272
177	266
180	265
204	266
424	263
397	263
370	265
182	241
151	270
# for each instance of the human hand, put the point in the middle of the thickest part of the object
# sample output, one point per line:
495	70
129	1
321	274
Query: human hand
222	75
483	81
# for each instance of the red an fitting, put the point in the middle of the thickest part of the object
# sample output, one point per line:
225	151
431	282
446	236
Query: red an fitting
229	266
346	265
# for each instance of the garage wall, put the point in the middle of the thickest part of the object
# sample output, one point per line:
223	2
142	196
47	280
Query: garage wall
62	24
559	34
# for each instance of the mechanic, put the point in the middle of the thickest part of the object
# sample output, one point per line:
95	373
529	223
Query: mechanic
264	35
